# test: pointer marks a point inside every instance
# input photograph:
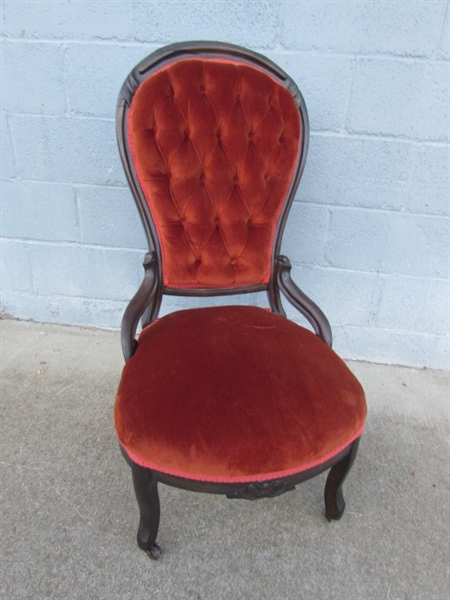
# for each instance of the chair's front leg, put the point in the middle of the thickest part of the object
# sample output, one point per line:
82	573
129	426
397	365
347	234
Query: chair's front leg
146	490
334	499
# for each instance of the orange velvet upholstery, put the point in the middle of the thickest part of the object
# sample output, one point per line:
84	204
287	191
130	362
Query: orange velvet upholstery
215	144
233	394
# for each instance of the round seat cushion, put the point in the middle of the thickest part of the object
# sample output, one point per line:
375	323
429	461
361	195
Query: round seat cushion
235	393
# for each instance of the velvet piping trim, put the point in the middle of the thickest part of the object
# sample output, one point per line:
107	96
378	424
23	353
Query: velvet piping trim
241	478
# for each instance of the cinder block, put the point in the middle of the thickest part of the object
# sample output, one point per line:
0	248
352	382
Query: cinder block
305	233
39	211
67	149
95	73
415	304
33	80
364	26
80	271
80	311
357	238
7	161
173	303
417	245
15	268
390	347
400	98
63	309
430	185
248	22
324	81
443	51
110	217
17	304
352	171
88	311
59	19
347	298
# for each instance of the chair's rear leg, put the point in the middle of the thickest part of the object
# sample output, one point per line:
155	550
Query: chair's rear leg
146	490
334	500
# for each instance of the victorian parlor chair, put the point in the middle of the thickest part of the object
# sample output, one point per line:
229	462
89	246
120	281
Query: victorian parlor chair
232	399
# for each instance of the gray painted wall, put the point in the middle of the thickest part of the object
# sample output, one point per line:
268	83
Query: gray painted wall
369	232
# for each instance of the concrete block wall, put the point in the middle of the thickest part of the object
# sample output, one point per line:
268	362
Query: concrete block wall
369	230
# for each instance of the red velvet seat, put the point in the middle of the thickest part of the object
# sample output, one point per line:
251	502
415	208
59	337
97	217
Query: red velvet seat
235	393
226	399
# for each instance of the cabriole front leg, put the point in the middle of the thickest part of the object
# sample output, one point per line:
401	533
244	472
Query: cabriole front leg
334	499
146	490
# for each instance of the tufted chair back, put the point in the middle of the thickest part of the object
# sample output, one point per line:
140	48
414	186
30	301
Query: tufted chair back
214	142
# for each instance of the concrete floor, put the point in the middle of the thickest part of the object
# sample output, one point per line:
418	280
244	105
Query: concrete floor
69	518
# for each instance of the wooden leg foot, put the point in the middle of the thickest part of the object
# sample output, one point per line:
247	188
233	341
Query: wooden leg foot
154	552
146	490
334	499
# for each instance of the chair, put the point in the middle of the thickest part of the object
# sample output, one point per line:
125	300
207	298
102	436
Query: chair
229	399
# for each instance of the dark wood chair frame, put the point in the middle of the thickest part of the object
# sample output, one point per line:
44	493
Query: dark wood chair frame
145	305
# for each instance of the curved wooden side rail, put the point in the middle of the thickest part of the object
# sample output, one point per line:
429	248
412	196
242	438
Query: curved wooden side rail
299	300
138	305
